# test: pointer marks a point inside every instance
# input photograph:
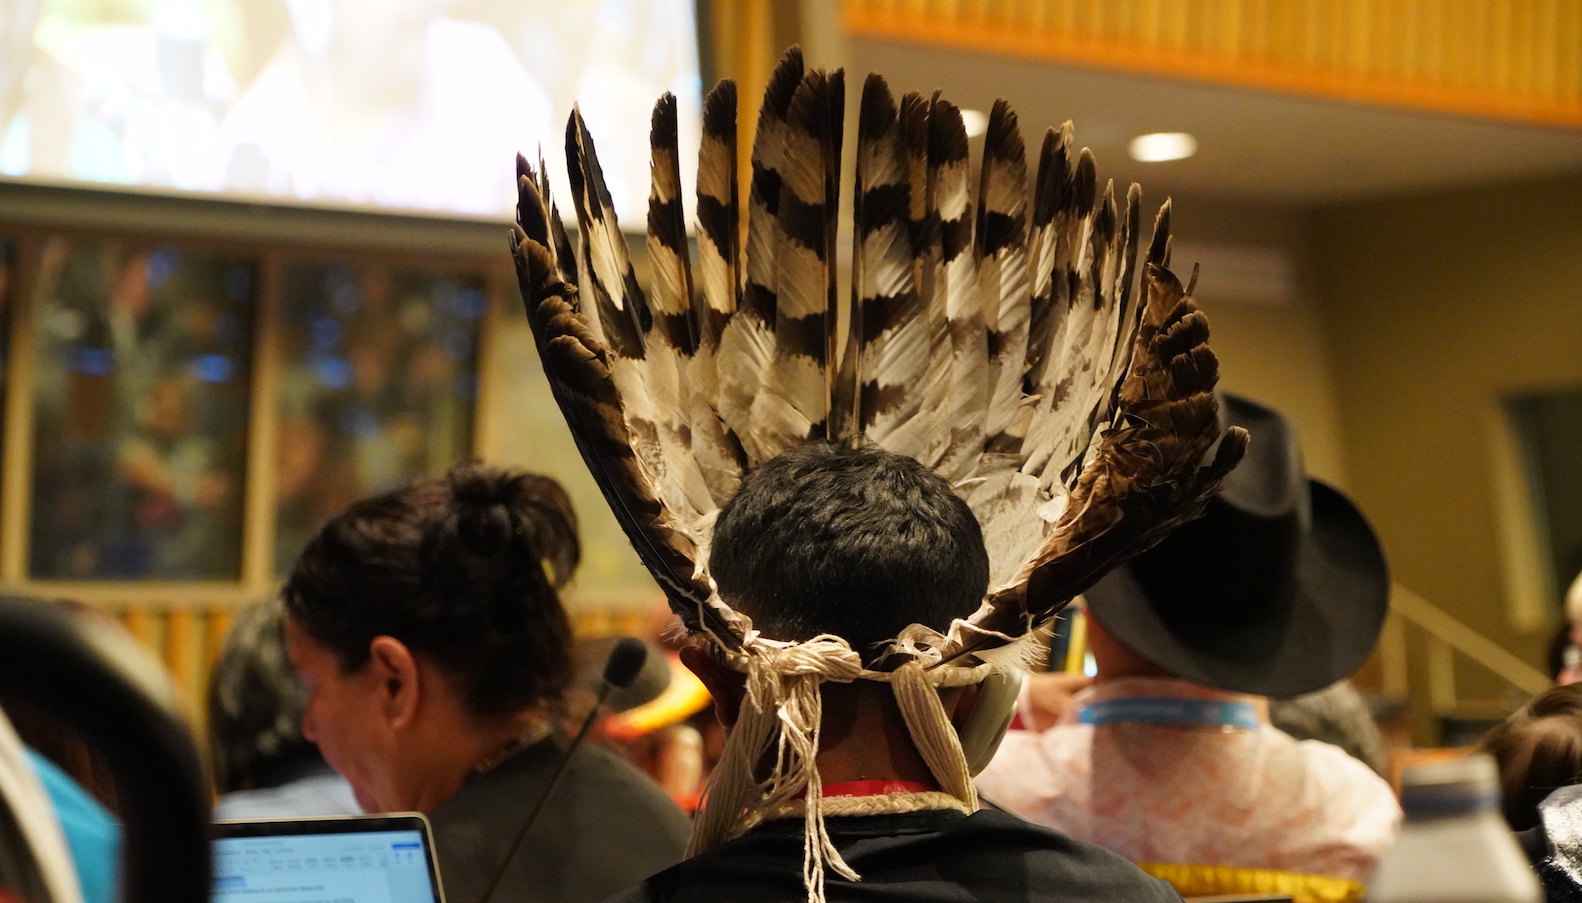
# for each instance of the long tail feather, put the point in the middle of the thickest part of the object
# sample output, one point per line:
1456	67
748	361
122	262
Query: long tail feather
917	436
1052	219
962	405
1003	285
719	241
717	448
577	367
889	336
607	271
747	344
793	406
670	288
671	340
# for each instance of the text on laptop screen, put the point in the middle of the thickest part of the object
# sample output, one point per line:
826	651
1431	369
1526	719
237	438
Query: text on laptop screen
357	867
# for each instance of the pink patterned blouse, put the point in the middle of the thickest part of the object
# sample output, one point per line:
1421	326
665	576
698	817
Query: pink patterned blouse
1205	790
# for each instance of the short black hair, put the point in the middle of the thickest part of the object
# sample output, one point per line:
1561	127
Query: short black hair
462	569
855	542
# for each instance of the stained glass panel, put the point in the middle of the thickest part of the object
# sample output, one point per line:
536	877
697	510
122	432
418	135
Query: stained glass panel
378	384
141	410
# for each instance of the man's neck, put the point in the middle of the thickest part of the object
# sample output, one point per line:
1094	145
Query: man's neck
864	738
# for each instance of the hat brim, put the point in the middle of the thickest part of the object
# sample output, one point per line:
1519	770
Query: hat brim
1319	633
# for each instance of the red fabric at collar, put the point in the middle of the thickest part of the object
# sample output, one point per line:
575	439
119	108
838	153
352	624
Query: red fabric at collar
879	787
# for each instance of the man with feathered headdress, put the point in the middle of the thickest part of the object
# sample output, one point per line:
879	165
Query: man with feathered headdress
824	542
864	513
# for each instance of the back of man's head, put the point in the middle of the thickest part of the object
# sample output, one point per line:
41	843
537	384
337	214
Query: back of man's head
858	543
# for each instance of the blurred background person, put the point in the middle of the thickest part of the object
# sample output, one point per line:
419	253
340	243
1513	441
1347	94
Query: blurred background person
1337	715
174	489
74	775
653	723
263	766
1565	654
1538	751
1169	758
427	627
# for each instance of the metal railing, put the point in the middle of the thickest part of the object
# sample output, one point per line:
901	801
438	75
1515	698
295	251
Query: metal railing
1444	639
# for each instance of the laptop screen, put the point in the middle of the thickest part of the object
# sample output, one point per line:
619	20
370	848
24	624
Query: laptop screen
359	859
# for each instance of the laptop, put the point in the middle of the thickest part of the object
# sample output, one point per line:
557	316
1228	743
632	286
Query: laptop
347	859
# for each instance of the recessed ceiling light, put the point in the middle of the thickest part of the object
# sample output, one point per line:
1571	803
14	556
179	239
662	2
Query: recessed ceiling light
1157	147
976	122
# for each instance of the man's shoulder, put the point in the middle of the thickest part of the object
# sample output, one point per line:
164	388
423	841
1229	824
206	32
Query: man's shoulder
624	779
991	855
1338	772
603	779
1064	861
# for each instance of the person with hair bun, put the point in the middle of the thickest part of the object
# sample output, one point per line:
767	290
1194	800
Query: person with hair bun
427	627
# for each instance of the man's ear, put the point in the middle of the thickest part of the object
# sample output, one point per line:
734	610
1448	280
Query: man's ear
960	703
981	715
725	685
395	670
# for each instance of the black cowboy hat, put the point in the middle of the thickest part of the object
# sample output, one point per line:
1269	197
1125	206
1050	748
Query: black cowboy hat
1279	589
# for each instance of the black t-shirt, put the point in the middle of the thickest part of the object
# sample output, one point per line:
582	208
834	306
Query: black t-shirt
923	857
606	826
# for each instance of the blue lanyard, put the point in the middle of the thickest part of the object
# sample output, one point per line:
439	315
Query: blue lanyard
1171	710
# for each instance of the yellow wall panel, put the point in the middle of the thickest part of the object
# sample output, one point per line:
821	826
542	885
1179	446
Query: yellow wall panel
1505	59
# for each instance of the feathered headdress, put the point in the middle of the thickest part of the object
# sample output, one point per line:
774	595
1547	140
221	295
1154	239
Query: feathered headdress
996	336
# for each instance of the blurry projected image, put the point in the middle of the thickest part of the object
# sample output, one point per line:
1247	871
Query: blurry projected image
417	105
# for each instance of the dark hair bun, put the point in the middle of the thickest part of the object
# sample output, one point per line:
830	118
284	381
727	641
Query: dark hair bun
502	521
480	524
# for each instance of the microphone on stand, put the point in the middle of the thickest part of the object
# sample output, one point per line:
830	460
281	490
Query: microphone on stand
625	661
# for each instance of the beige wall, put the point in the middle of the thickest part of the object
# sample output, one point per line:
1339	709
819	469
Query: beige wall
524	428
1436	307
1258	288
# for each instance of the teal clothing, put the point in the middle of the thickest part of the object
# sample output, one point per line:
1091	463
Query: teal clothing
92	835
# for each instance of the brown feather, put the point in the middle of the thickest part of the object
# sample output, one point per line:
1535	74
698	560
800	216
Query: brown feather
1146	478
577	366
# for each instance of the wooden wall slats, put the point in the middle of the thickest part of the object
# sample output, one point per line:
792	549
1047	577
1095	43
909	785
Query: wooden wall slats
1517	60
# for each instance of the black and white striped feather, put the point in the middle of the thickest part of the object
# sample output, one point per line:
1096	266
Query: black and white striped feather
748	342
888	343
792	405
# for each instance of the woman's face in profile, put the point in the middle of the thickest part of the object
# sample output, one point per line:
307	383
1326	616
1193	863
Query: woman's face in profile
343	716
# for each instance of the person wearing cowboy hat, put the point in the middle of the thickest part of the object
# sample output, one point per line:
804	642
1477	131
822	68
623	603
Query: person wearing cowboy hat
1169	758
